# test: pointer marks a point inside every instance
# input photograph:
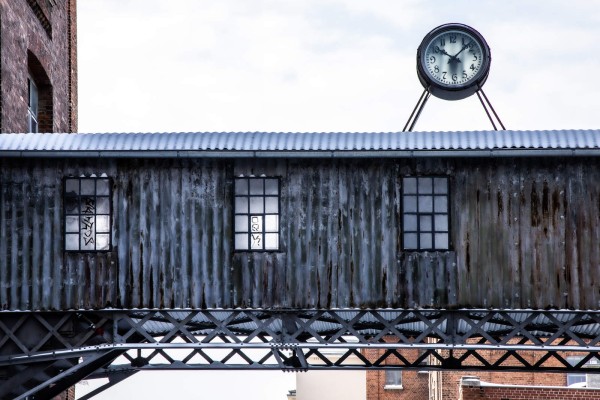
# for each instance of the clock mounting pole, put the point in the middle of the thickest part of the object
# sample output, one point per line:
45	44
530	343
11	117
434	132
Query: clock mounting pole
482	96
420	105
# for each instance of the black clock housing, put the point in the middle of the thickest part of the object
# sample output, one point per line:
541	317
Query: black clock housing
453	91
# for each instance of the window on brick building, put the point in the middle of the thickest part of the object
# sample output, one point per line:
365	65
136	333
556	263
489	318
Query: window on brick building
425	213
32	109
87	213
581	379
256	209
393	379
40	112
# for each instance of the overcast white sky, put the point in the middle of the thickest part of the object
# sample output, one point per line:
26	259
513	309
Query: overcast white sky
321	65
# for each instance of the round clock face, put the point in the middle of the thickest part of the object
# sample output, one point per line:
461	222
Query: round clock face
453	61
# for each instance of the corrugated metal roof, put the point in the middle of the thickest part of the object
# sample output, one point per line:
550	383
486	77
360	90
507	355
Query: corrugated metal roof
330	144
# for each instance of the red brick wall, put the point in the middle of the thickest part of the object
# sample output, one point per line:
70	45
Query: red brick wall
415	386
24	30
527	393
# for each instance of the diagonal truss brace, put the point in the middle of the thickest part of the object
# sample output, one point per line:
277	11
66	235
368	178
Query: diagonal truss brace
306	339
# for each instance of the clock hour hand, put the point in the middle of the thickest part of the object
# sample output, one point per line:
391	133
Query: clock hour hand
452	58
437	48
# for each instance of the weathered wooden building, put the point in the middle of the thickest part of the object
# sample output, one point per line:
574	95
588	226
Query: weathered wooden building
506	220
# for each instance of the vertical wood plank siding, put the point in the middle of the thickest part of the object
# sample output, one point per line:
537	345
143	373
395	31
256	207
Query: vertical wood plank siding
525	233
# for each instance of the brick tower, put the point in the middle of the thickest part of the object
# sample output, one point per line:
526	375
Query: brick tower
38	67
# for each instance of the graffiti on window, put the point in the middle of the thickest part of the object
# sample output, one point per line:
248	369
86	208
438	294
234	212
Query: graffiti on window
87	213
256	204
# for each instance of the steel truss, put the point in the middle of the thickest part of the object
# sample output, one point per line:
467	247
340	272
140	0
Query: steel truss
58	349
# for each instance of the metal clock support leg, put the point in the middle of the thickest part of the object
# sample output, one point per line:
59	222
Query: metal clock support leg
420	105
482	97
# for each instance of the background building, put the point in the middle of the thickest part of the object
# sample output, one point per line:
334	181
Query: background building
450	384
333	384
38	73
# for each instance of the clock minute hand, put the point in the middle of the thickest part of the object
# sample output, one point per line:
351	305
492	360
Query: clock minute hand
461	50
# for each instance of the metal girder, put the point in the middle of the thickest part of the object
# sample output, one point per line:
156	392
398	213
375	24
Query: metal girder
293	340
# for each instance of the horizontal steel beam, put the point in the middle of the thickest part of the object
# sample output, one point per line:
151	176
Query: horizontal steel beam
294	340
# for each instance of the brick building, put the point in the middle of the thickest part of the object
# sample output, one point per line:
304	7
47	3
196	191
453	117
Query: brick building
38	70
450	385
473	388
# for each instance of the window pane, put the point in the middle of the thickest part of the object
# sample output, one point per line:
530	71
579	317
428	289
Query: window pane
441	241
88	205
88	186
441	222
72	241
102	187
440	185
426	241
256	242
410	185
102	242
426	204
271	205
72	187
102	223
88	241
425	223
33	96
257	205
241	223
241	205
271	241
393	377
410	240
271	223
71	223
573	379
102	205
425	185
410	223
71	205
271	186
256	186
410	204
441	204
241	186
241	241
256	223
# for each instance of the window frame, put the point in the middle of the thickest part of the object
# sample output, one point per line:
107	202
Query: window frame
110	214
397	382
432	214
263	231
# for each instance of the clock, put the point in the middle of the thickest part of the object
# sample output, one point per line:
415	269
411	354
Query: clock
453	61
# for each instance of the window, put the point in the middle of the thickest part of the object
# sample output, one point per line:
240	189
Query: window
256	211
393	379
32	110
87	213
579	379
40	113
425	213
